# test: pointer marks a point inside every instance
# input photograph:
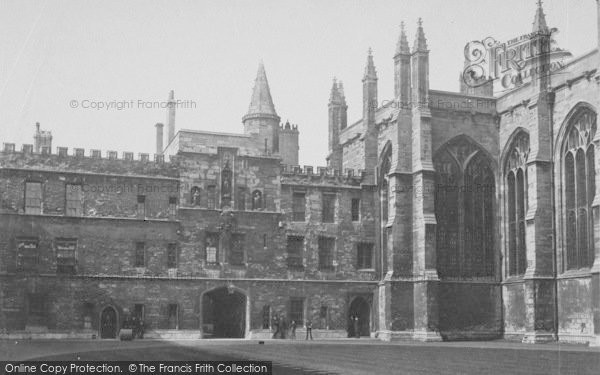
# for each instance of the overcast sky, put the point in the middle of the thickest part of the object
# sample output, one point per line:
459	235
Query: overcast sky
56	52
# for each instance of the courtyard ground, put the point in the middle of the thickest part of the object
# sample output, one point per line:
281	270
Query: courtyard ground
364	356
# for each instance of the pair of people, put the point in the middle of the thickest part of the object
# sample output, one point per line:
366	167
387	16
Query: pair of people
280	327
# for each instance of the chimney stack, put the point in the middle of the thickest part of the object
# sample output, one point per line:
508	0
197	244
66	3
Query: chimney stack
171	116
159	138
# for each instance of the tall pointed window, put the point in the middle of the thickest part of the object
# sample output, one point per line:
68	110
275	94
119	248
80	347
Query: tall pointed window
447	207
464	211
241	199
579	190
516	201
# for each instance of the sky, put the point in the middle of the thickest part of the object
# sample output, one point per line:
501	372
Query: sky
61	60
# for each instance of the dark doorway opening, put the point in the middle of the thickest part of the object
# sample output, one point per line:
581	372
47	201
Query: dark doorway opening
359	308
224	313
108	323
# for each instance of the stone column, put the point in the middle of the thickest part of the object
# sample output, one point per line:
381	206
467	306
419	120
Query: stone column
539	276
424	231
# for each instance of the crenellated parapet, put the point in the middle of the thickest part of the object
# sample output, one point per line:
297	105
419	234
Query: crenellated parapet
94	161
321	175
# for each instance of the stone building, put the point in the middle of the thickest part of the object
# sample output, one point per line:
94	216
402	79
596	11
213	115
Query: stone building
440	215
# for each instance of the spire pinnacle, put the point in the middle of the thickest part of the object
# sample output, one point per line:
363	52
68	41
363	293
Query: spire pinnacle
261	101
341	89
370	72
539	22
420	44
402	45
334	96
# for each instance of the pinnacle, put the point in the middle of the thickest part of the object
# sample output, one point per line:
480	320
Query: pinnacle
261	101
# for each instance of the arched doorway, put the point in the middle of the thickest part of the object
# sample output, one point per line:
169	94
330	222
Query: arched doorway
361	309
224	313
108	323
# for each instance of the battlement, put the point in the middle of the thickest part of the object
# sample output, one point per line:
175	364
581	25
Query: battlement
80	153
95	161
348	176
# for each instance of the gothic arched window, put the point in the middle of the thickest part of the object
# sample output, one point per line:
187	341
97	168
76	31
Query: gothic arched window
446	203
464	211
579	190
516	201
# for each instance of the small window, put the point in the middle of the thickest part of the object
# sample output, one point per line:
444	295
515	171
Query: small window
211	203
138	311
33	198
27	254
172	255
140	254
355	210
173	316
37	305
328	208
299	207
172	206
74	203
141	206
297	310
295	246
236	257
195	196
323	312
66	260
212	248
266	317
326	246
257	200
364	256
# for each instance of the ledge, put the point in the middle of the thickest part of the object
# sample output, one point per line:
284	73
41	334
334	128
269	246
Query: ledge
575	274
153	220
192	278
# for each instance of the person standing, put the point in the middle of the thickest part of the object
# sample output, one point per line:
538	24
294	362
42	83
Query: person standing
276	326
308	329
141	329
356	327
284	326
293	330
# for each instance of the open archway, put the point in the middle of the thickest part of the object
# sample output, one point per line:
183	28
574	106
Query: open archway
359	308
224	313
108	323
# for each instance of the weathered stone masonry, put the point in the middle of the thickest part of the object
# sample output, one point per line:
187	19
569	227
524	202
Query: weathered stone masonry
440	215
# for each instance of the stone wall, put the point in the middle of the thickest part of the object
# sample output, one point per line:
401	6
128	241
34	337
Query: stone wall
68	300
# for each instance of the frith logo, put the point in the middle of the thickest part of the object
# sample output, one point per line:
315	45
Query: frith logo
512	63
